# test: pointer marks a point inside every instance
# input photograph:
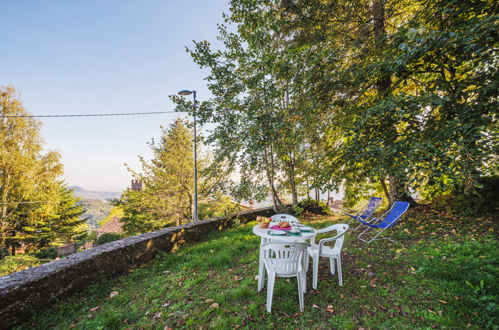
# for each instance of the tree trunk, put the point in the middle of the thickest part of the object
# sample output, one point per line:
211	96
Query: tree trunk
308	190
270	177
385	189
292	180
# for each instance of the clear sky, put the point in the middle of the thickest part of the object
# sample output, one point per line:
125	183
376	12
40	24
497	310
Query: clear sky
94	56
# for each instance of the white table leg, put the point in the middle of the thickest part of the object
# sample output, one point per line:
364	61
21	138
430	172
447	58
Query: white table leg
304	263
261	266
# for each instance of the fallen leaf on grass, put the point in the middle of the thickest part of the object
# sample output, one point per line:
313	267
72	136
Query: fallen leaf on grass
443	301
330	309
157	315
214	305
94	309
315	306
113	294
209	301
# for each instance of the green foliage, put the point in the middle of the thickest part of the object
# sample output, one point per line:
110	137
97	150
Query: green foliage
247	189
217	207
401	94
307	203
324	208
108	237
36	208
168	180
11	264
46	253
484	201
96	211
297	210
115	212
311	205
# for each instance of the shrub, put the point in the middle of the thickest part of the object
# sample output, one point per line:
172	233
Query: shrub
297	211
324	208
307	203
11	264
310	205
484	200
47	253
108	237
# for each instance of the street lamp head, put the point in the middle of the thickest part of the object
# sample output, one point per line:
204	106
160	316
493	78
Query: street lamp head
185	92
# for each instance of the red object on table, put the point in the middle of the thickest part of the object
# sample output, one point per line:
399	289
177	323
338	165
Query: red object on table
279	228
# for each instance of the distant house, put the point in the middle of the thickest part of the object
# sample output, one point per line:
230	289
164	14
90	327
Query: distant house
114	226
66	249
87	246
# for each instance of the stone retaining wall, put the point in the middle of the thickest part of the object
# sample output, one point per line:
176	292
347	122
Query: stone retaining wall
25	292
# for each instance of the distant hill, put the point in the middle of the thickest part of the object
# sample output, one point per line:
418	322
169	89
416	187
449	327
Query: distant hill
91	194
95	211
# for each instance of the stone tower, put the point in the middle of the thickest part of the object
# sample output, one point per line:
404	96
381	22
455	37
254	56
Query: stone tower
136	184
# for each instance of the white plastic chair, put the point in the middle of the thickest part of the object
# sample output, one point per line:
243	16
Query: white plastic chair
333	253
284	260
285	218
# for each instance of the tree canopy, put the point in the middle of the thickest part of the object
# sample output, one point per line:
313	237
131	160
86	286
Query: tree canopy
399	96
36	207
167	193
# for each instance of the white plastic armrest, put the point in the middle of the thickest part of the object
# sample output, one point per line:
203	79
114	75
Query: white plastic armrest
322	231
325	240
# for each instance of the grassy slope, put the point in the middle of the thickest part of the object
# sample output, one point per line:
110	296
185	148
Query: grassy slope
443	275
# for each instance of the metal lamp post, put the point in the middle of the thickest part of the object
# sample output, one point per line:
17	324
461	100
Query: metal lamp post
195	211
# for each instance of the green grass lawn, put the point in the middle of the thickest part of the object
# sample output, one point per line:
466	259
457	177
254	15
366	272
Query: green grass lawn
443	273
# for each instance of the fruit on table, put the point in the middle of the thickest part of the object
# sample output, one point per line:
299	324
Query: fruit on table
263	220
284	225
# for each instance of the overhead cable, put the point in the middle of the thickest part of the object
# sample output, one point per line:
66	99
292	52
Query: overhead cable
88	115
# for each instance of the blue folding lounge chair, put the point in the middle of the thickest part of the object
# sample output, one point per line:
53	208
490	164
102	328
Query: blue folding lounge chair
366	212
385	221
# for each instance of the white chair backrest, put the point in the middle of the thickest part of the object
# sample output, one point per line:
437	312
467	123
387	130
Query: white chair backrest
285	218
284	258
340	229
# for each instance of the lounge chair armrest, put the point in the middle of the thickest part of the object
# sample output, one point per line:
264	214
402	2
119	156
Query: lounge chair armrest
371	219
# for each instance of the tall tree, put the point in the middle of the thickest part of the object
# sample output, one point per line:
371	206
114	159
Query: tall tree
167	180
35	208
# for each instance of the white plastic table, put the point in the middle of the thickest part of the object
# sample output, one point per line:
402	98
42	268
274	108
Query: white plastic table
267	238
